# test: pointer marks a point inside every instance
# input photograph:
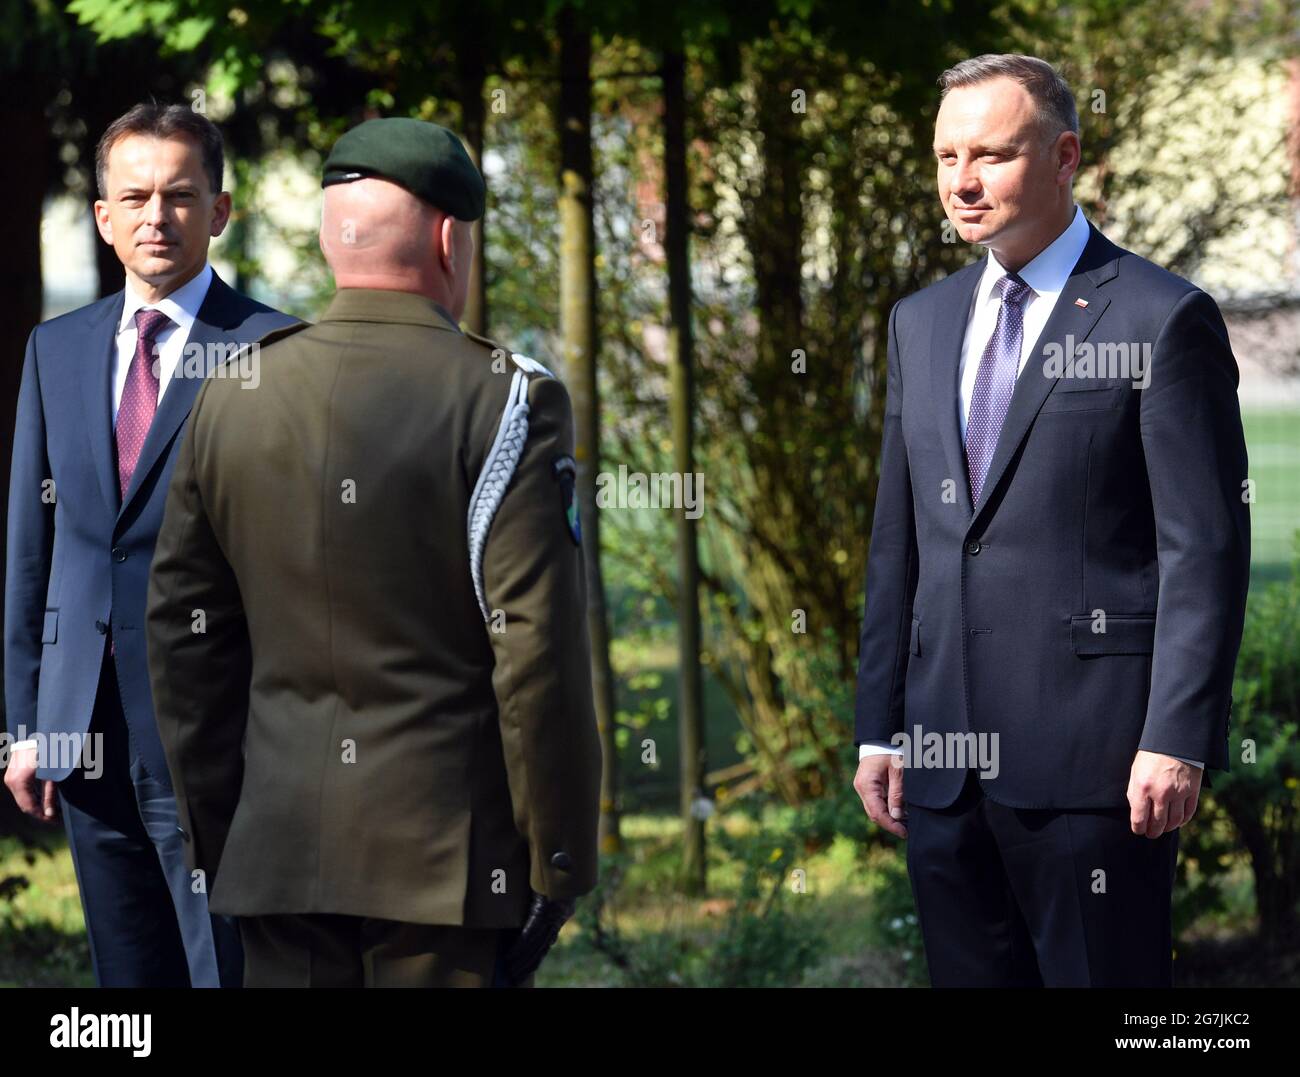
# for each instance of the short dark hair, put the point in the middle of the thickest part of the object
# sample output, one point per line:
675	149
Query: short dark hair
1044	84
163	121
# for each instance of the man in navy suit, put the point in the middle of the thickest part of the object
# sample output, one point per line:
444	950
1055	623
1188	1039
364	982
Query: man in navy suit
1058	569
105	394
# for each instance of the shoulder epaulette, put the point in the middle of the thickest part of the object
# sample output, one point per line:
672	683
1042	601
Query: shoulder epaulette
236	353
280	333
523	362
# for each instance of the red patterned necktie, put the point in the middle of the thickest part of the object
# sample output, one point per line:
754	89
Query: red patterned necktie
139	395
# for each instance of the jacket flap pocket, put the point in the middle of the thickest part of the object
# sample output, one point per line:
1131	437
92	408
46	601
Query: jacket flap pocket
50	630
915	645
1124	634
1083	397
1090	385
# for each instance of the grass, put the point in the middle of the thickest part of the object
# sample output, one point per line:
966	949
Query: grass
42	930
1273	445
831	901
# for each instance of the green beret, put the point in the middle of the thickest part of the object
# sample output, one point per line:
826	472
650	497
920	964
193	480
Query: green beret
428	160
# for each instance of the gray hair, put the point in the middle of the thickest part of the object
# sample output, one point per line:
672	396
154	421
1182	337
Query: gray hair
1049	91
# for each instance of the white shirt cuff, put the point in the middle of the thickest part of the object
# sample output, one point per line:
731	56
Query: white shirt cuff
877	747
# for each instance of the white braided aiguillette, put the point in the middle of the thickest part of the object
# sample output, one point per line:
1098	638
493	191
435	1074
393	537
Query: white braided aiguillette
498	469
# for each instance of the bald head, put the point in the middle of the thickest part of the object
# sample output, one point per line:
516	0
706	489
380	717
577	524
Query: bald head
375	234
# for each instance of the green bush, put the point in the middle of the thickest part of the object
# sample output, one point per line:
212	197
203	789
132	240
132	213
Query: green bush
1261	793
892	924
762	943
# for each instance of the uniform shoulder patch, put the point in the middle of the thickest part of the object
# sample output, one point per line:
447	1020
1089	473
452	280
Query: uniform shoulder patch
565	470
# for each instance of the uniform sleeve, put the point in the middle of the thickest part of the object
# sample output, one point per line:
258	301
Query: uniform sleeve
199	661
533	574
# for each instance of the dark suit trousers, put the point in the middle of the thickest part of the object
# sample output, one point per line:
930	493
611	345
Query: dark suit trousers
332	950
1013	897
147	928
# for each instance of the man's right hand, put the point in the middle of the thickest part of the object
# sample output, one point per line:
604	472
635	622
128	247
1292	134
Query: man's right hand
34	797
879	783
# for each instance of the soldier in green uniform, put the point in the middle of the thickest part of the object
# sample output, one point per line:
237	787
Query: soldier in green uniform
366	626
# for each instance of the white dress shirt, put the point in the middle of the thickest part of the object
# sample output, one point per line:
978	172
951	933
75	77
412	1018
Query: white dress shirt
182	307
1046	275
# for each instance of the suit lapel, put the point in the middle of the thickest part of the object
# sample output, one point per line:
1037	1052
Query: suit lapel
945	361
212	325
1095	266
100	348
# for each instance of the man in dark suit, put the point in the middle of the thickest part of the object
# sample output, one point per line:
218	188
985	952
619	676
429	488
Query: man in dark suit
383	742
105	394
1058	568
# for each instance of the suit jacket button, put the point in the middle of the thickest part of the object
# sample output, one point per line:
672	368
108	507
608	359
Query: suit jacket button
101	628
119	554
563	861
972	548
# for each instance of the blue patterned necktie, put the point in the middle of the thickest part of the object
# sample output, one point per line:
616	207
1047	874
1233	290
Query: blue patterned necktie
995	381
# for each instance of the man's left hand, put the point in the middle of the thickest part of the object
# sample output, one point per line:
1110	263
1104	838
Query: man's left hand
545	918
1162	793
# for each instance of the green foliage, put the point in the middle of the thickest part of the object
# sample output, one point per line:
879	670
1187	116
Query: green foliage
838	814
763	942
1255	807
649	708
42	934
892	923
118	19
1261	793
1208	851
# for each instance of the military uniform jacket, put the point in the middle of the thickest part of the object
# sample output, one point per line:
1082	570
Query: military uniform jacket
345	730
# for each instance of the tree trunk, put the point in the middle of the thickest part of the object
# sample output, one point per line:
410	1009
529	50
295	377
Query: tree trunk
473	75
676	247
578	327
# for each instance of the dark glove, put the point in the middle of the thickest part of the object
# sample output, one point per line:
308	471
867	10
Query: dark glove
536	937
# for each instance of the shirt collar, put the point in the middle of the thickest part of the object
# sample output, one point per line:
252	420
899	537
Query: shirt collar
181	306
1049	270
